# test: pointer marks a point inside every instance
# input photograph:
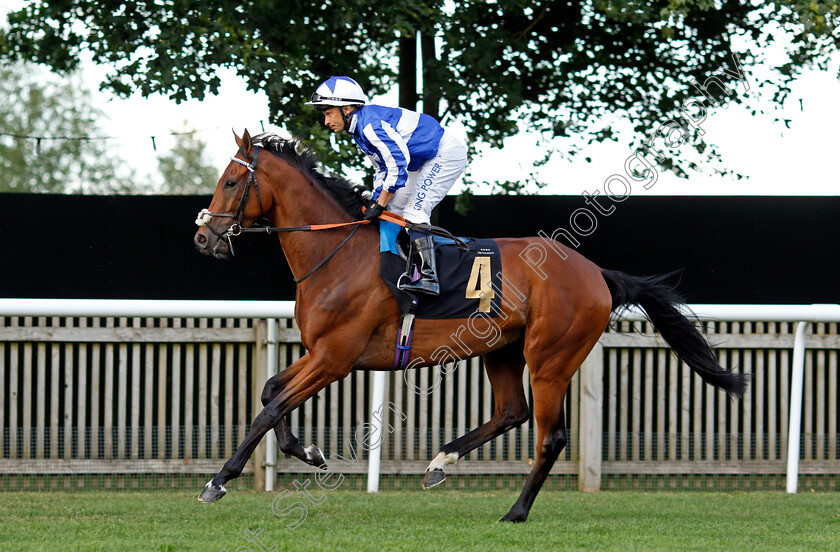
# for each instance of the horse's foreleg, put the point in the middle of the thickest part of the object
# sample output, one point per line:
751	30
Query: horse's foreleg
289	444
307	381
262	424
504	370
286	440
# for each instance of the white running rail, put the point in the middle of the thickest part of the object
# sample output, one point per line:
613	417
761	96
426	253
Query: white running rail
804	315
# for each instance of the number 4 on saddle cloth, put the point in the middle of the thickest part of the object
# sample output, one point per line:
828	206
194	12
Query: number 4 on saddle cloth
468	282
467	278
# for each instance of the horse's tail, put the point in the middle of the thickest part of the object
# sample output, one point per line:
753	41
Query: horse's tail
660	301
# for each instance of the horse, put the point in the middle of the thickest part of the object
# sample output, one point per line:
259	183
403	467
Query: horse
553	314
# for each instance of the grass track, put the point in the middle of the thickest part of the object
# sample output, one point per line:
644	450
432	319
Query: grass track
414	520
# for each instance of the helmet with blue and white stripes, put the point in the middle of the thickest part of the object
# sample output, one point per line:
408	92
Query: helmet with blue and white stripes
338	91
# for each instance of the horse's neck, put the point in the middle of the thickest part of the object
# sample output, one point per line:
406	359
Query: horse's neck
300	202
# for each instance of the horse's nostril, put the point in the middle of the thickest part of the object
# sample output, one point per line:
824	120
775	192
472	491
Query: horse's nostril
200	240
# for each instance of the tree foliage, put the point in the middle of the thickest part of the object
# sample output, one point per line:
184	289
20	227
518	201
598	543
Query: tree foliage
561	68
184	169
49	139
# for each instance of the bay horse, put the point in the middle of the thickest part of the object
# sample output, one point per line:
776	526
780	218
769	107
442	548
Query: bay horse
348	319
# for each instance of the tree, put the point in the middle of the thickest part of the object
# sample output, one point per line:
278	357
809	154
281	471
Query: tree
184	170
48	136
563	69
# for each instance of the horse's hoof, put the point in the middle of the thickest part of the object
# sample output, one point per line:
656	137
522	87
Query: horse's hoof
515	517
316	457
211	492
433	477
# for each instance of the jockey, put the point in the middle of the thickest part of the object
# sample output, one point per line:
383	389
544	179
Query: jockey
416	160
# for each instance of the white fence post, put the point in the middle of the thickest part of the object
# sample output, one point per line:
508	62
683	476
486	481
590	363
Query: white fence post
376	420
796	406
591	420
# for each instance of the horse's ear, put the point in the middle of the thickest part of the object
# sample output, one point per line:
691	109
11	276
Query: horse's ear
246	145
244	142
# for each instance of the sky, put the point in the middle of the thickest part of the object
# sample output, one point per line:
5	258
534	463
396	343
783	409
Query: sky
776	160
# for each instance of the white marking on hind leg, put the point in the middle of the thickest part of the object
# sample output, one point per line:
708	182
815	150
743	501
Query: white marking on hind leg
441	460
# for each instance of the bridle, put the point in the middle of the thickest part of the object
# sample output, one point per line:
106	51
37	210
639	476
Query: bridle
235	229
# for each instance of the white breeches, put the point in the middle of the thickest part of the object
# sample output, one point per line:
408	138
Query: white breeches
427	186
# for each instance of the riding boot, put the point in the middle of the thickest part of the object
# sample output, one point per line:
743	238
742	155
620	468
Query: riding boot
422	275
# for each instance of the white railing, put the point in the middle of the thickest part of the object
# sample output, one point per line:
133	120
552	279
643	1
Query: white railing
803	315
146	308
269	310
590	441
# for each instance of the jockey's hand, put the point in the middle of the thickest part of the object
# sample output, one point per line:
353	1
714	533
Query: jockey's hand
373	210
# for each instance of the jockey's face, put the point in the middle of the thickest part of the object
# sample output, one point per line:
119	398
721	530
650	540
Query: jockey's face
332	117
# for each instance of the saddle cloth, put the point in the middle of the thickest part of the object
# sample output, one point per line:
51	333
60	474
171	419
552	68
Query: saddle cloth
469	280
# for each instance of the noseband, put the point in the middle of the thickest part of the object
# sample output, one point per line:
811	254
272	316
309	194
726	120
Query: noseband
204	216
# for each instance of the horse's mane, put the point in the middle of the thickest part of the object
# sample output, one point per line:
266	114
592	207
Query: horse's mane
347	194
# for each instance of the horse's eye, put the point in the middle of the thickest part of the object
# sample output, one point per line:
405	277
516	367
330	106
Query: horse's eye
230	184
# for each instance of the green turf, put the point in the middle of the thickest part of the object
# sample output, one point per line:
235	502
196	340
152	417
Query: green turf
415	520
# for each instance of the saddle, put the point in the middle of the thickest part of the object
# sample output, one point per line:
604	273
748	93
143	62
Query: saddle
469	280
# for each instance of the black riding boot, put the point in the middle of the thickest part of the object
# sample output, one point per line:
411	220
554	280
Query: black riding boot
423	261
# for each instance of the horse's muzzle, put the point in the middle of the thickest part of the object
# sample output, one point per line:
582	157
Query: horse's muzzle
209	243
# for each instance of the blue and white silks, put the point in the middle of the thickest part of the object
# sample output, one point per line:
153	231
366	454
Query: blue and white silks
396	140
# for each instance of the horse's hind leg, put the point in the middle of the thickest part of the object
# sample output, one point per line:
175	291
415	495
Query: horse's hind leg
286	440
551	438
504	370
551	371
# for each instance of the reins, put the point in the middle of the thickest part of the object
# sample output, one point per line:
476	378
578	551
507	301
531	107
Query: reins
235	229
328	257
